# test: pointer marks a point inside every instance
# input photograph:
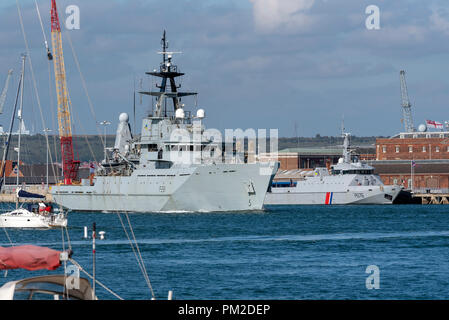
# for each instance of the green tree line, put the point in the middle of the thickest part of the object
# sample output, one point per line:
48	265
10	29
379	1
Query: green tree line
90	148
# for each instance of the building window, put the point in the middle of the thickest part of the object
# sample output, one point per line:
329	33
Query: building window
395	181
424	149
409	183
437	149
384	149
397	149
410	149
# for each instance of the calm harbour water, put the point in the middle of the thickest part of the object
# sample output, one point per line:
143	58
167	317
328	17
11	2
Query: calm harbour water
298	252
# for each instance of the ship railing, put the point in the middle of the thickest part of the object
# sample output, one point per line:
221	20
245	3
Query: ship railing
233	160
171	115
431	190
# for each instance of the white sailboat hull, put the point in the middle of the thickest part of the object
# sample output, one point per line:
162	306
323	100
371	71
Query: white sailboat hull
22	218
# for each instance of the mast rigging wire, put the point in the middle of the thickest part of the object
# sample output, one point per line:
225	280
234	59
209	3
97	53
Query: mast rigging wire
32	74
49	55
140	259
52	107
91	277
89	100
83	82
136	252
46	134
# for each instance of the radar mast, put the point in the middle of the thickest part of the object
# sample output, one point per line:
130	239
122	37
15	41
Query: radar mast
168	72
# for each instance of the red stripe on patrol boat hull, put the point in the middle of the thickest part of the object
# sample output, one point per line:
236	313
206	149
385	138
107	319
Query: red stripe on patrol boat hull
328	197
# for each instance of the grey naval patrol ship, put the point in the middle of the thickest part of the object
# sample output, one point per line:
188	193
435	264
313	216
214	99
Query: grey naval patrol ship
172	166
348	182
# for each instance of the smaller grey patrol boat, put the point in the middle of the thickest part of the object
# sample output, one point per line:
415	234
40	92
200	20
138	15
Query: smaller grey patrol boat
346	183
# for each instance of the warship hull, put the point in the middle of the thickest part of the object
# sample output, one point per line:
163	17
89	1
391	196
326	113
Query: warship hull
218	187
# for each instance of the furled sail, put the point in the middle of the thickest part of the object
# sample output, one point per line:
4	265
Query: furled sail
29	257
25	194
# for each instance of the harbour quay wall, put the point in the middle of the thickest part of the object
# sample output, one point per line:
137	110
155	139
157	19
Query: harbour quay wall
9	195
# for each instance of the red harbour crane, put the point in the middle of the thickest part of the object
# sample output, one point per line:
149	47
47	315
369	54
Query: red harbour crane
70	166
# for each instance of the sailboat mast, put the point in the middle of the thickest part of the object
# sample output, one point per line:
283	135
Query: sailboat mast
8	140
19	116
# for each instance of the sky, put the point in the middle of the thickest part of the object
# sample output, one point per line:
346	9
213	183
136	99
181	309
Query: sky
300	66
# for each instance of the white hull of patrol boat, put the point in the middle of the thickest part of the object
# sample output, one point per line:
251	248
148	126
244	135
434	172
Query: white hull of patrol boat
373	195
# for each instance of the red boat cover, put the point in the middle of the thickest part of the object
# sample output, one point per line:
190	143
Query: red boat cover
29	257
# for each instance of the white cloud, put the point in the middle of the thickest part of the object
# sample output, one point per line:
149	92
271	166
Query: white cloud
439	20
286	15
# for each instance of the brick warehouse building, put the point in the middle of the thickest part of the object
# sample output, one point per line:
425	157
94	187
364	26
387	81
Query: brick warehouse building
414	146
426	176
307	158
429	151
